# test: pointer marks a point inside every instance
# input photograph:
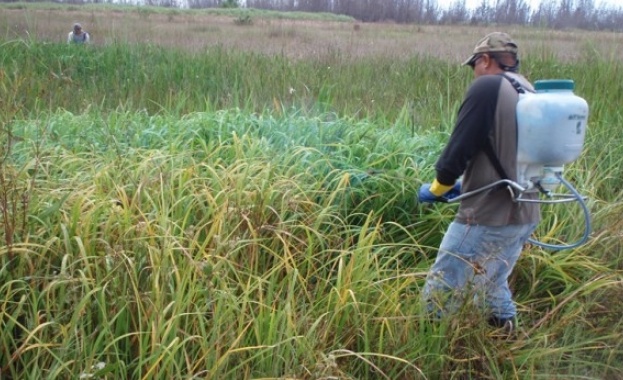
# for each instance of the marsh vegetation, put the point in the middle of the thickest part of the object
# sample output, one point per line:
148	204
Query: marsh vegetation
239	203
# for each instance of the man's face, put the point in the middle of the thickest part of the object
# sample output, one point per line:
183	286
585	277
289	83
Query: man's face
77	29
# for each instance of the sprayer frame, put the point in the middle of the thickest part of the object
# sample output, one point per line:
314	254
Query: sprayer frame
516	191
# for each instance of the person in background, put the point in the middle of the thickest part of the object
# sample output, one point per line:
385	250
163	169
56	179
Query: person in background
482	244
78	36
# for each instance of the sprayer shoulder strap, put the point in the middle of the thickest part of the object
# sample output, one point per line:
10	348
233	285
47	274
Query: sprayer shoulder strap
488	147
516	85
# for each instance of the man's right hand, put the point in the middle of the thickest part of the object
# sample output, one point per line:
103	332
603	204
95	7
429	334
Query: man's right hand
426	196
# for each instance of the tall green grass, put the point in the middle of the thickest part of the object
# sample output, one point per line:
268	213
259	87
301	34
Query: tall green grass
167	215
43	77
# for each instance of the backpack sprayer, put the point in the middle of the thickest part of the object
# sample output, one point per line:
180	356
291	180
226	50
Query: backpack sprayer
551	125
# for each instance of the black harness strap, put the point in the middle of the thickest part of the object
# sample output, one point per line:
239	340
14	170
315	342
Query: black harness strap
518	87
494	160
488	147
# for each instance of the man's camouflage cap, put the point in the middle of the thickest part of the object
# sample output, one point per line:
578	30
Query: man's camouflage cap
496	42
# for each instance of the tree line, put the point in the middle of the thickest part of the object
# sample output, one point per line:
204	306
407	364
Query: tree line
581	14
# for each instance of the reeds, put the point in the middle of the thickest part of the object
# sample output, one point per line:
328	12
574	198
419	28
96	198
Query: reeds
161	226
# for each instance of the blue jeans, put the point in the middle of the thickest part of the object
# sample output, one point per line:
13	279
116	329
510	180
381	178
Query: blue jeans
474	262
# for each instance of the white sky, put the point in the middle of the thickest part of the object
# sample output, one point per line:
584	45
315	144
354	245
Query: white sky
471	4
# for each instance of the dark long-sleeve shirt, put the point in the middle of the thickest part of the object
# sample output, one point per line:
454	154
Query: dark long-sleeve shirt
487	114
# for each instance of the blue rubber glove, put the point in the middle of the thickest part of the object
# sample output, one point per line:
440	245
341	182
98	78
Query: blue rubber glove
425	196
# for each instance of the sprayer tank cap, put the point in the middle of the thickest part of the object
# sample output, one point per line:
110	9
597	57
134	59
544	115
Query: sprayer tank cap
554	84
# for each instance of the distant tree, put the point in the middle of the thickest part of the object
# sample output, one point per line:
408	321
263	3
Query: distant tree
484	13
431	12
511	12
545	15
563	17
456	14
584	14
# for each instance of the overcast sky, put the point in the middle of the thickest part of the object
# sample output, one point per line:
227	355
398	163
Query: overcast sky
533	3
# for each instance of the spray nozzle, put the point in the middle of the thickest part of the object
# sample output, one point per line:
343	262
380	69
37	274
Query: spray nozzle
550	179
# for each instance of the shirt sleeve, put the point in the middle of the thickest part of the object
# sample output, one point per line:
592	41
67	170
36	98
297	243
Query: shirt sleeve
475	120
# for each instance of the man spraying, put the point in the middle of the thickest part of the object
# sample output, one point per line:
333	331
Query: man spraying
482	245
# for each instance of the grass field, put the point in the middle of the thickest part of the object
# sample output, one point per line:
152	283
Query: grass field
191	198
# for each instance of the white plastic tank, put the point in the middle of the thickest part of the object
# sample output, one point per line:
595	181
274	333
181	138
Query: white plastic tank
551	125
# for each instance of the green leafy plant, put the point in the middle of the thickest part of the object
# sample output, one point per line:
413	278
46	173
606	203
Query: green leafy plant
230	4
243	19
